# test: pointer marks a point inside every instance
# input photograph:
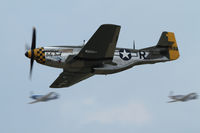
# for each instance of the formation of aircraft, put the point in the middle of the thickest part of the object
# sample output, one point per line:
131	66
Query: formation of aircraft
182	98
44	98
99	55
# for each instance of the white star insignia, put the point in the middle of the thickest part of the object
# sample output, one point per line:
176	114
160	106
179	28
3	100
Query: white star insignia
125	54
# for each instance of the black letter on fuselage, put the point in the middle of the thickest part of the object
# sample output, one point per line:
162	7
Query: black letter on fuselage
142	54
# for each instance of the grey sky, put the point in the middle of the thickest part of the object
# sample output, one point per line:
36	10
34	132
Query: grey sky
130	101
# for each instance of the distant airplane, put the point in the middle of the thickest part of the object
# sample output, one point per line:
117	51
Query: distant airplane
182	98
44	98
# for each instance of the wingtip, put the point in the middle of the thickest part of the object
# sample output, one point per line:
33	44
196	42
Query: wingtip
111	25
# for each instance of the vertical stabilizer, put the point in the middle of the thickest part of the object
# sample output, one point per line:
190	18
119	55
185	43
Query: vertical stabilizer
168	40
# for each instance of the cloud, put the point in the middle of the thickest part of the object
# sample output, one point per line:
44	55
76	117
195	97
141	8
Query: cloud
132	113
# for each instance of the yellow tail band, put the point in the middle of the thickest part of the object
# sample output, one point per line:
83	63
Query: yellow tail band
173	49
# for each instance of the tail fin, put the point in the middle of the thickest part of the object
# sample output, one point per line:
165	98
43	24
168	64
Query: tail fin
168	40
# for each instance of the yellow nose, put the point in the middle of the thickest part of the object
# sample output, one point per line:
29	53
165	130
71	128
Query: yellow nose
37	54
28	54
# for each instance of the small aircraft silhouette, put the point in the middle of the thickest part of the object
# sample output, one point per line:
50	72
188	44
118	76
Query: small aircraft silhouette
44	98
182	98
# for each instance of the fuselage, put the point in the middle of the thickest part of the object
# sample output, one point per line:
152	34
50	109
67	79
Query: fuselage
183	98
43	98
57	56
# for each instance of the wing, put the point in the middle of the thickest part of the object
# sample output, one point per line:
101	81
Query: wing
67	79
38	100
46	96
172	101
186	97
102	44
100	47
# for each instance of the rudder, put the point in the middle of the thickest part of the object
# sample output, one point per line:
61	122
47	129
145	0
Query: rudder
168	40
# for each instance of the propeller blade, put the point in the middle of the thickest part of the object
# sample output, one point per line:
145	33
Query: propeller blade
33	45
31	67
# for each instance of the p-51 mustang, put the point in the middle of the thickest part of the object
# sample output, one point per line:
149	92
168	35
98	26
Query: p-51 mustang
99	55
44	98
182	98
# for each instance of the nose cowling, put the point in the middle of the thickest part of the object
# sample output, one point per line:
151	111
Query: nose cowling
26	54
38	54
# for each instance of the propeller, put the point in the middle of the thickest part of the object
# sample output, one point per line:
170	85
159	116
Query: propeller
33	45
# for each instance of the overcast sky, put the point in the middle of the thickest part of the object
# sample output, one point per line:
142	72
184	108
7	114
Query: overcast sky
130	101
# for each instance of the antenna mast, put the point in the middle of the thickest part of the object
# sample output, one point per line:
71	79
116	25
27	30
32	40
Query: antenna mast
134	44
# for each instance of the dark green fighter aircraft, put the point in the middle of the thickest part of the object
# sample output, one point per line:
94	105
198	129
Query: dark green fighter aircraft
99	55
